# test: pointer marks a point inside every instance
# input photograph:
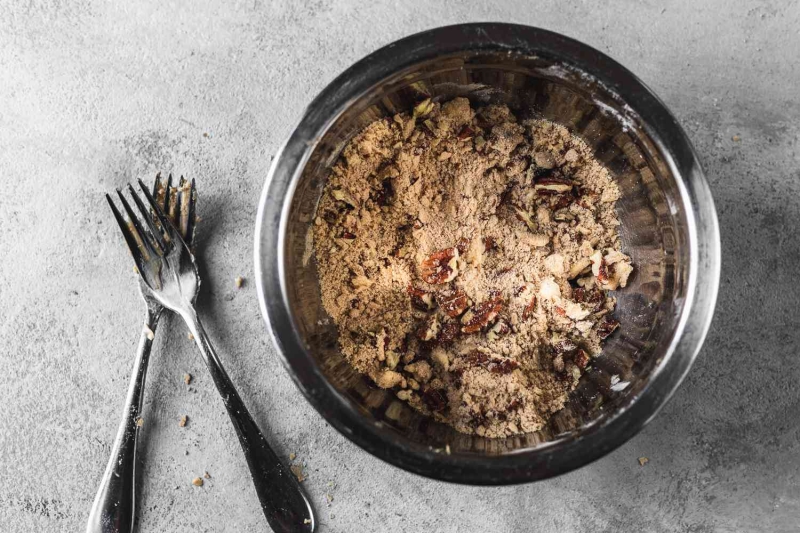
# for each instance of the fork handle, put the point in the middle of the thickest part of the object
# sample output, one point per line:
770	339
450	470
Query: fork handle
114	505
283	501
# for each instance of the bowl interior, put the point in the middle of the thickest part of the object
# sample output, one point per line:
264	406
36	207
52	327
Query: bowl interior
653	232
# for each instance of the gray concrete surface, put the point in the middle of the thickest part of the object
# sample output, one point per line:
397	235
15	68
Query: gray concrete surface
93	95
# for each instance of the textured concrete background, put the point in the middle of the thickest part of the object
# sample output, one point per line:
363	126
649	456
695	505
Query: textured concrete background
92	96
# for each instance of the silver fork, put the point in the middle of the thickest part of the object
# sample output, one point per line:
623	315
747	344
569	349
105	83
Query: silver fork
169	275
114	505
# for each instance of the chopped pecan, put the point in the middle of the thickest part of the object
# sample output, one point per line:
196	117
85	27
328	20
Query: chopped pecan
495	366
440	267
599	267
462	245
528	311
449	333
591	298
344	196
480	315
552	184
452	301
422	300
429	329
607	327
581	359
476	358
489	244
348	235
528	294
525	217
423	108
499	328
502	366
564	346
466	133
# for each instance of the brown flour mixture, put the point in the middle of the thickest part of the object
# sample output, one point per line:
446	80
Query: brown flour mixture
465	257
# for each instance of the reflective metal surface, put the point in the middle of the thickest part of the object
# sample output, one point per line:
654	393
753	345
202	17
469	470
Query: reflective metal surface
669	228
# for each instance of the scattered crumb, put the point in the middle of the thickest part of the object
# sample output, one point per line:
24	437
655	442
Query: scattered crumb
135	269
186	452
292	456
297	470
187	378
736	138
197	482
190	336
447	449
328	498
306	520
139	421
183	420
643	461
239	282
205	134
207	475
149	333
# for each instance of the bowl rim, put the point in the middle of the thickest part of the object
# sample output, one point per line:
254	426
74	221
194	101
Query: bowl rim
563	454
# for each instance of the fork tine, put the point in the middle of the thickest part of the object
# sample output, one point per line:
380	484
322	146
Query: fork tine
182	218
167	194
139	235
174	206
133	246
156	182
162	218
158	237
190	224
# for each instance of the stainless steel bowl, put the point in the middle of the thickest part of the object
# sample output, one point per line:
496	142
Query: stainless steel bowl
669	227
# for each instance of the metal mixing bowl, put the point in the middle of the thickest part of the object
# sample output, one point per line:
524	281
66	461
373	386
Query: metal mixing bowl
669	228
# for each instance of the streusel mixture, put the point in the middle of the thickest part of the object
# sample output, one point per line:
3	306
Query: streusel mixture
466	258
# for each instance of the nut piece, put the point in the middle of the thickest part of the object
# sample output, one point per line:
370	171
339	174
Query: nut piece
423	108
449	333
424	301
182	421
527	293
525	217
607	327
344	196
591	298
392	358
599	267
479	316
495	366
440	267
465	134
581	359
549	290
453	302
429	329
552	184
581	266
500	328
197	482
